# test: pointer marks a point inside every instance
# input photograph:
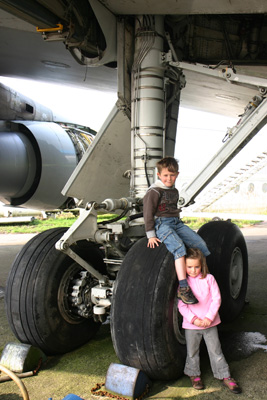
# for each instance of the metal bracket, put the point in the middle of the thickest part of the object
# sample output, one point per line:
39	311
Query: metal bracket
243	134
58	28
85	265
224	73
84	227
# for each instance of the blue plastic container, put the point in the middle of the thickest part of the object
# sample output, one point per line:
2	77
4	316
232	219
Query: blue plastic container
72	397
126	381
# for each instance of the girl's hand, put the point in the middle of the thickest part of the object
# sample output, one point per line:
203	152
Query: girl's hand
206	322
198	322
152	242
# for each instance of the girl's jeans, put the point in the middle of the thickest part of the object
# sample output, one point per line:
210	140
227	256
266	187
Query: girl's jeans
193	337
177	236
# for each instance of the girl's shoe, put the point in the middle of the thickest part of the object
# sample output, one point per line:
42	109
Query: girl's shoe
231	384
197	382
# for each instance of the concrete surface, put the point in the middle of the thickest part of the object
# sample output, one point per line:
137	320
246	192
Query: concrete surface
243	343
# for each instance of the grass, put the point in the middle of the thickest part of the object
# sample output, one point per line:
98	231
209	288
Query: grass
67	219
196	223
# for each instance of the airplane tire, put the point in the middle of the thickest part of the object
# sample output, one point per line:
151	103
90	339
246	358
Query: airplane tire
144	319
36	292
228	262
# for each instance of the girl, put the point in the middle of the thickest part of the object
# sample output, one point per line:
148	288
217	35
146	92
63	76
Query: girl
201	320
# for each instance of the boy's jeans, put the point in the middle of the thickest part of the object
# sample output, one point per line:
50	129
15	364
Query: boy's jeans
176	235
193	337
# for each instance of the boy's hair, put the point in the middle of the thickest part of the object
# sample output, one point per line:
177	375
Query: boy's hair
168	162
197	254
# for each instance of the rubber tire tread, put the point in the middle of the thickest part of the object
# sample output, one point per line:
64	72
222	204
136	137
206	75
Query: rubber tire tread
222	237
31	294
142	313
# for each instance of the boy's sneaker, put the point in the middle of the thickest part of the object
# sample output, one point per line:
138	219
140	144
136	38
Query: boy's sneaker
186	295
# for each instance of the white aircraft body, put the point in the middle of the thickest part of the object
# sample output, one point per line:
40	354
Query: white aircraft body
208	56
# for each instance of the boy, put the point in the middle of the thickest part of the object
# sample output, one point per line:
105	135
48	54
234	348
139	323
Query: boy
163	224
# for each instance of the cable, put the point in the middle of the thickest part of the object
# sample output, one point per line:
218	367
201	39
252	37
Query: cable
16	380
115	219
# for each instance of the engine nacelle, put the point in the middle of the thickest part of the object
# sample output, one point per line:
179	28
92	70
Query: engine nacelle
36	160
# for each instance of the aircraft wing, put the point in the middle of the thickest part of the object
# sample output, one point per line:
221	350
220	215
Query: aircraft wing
203	32
221	48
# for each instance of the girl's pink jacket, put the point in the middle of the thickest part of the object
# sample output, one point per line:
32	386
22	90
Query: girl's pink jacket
208	294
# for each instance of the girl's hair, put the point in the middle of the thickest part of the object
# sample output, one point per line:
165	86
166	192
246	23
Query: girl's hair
168	162
197	254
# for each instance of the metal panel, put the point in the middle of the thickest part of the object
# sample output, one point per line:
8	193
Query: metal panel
99	174
183	7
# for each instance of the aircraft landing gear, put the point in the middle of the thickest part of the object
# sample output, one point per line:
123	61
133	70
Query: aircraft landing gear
50	293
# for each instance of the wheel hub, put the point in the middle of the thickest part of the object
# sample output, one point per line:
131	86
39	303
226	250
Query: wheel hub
80	297
74	295
236	273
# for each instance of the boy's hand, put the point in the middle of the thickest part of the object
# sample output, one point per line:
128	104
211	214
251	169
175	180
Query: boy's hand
152	242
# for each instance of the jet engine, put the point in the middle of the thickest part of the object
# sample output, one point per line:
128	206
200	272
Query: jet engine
37	155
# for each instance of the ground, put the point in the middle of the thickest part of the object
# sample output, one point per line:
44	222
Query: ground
243	343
